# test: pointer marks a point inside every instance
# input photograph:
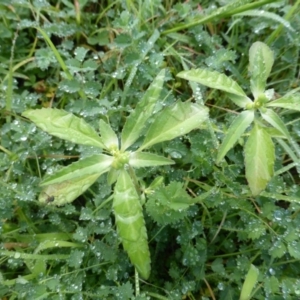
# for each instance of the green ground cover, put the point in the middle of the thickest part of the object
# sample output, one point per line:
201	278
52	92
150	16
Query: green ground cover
150	149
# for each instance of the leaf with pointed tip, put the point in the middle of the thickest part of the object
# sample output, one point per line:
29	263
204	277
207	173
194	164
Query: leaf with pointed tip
214	80
136	121
259	159
64	125
66	191
249	283
109	138
95	164
240	101
236	129
131	224
291	101
272	118
142	159
261	60
174	121
112	175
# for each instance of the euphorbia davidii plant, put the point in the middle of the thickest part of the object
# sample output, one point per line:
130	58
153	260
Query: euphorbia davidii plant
118	161
259	149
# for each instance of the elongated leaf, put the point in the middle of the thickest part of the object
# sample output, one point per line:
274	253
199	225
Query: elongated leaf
109	138
112	176
136	121
66	191
131	224
240	101
174	121
291	101
259	159
272	118
236	129
268	15
65	126
95	164
142	159
249	283
213	80
261	60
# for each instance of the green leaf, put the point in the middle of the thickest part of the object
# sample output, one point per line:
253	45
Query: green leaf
136	121
65	126
240	101
277	249
291	101
112	176
214	80
272	118
249	283
131	224
174	121
236	129
261	60
294	249
80	53
66	191
109	138
69	86
142	159
168	204
259	159
256	229
95	164
271	285
268	15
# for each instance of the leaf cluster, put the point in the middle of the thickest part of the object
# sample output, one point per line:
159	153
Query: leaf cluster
94	67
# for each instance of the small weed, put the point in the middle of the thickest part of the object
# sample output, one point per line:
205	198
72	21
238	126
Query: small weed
149	150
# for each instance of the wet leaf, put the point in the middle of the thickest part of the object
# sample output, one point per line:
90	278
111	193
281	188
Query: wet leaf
249	283
261	60
143	159
215	80
65	126
236	129
259	159
272	118
136	121
95	164
66	191
174	121
291	101
131	224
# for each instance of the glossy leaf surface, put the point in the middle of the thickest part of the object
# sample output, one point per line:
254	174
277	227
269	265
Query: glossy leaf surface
95	164
66	191
259	159
142	159
249	283
272	118
240	101
137	119
174	121
65	126
261	60
236	129
214	80
131	224
109	138
288	102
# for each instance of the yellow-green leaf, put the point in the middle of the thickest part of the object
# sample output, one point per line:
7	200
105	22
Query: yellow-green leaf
259	159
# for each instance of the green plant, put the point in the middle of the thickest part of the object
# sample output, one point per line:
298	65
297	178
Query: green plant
259	149
67	184
205	230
